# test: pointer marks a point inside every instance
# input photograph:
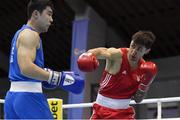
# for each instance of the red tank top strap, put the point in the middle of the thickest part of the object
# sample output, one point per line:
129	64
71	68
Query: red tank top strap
124	54
125	63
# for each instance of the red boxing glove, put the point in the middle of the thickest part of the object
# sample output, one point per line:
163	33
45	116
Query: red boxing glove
148	71
87	62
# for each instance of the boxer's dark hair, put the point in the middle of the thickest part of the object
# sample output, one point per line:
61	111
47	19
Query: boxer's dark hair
145	38
38	5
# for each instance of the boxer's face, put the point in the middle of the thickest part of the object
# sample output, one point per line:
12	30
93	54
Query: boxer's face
136	51
45	19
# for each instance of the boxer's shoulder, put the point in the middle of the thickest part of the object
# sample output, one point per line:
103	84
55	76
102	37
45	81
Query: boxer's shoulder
27	33
29	37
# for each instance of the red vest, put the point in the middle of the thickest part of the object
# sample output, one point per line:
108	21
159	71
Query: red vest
123	84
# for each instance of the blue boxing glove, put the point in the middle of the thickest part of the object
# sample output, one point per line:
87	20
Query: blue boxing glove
71	81
66	80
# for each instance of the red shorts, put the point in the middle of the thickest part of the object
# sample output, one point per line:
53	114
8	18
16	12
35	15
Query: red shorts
101	112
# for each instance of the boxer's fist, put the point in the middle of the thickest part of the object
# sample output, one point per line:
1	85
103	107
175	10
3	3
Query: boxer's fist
148	71
72	82
87	62
68	80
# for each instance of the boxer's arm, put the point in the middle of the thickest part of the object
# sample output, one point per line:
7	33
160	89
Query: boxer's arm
87	62
106	53
148	70
27	44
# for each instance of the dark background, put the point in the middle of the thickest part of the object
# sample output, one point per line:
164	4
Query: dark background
125	17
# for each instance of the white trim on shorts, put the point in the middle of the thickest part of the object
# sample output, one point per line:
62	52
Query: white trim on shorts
112	103
19	86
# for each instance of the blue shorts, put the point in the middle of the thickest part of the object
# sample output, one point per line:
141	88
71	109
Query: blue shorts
26	105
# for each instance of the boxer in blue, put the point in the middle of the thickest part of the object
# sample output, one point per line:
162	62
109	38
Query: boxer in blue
25	99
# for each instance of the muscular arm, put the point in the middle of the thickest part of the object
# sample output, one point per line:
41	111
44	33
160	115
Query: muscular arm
87	62
106	53
27	44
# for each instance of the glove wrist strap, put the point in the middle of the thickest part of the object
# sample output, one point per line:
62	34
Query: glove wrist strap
50	76
54	77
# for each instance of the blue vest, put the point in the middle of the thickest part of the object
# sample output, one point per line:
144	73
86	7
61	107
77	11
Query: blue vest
14	71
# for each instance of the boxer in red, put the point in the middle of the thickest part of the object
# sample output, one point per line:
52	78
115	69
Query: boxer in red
126	76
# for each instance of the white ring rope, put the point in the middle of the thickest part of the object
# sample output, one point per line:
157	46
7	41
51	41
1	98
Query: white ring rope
145	101
2	101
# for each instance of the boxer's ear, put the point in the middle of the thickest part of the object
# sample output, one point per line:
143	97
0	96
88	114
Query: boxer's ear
35	14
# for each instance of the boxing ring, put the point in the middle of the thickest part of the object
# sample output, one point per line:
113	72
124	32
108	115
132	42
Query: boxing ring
159	102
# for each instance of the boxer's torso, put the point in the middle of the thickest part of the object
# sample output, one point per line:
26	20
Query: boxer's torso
124	83
14	70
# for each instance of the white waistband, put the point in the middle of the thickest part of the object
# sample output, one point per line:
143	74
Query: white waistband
35	87
112	103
